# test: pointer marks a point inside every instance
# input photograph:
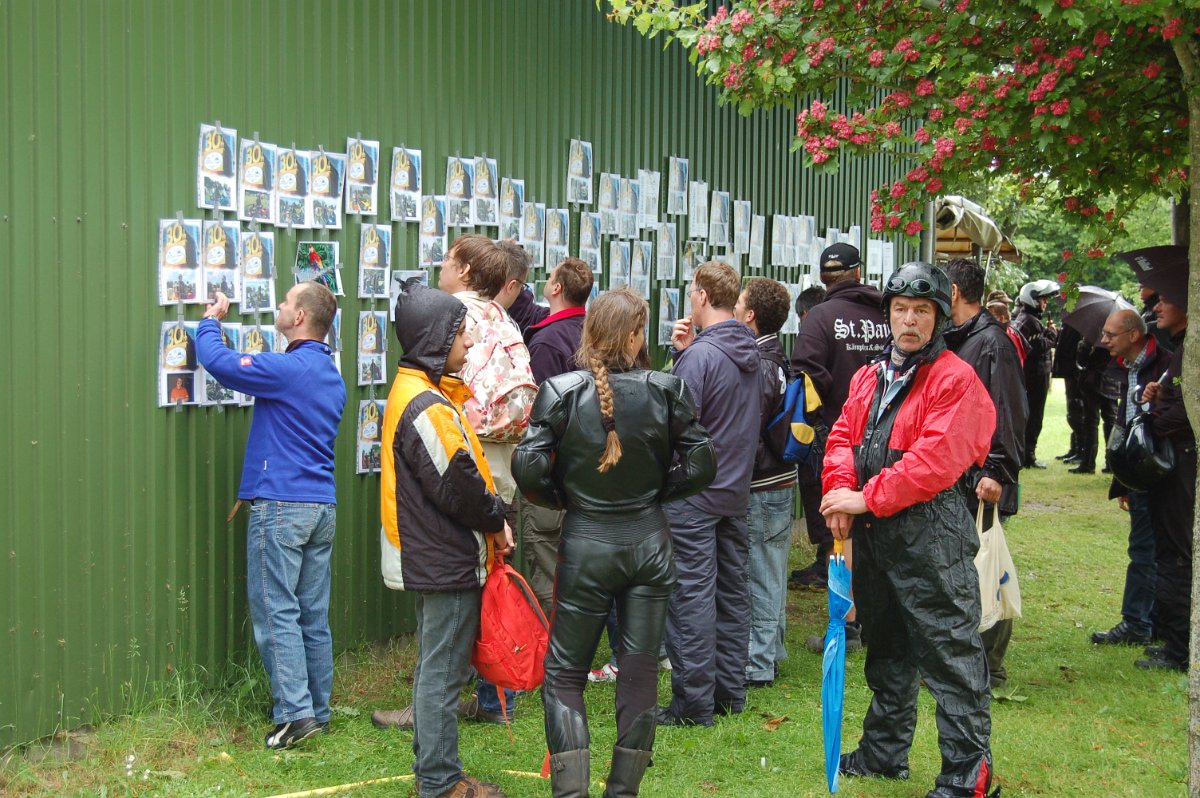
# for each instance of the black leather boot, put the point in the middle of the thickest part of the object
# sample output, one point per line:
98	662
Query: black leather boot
628	767
569	774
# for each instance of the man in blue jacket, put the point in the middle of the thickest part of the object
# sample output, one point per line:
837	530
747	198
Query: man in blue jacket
708	625
287	477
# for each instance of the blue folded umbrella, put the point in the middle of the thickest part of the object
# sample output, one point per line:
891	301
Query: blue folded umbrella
833	666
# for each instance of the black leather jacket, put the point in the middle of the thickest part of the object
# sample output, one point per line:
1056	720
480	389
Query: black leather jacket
666	455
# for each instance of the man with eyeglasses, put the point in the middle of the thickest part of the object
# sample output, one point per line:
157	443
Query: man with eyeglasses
1141	361
915	424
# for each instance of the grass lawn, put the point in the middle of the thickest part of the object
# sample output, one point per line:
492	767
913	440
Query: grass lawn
1082	721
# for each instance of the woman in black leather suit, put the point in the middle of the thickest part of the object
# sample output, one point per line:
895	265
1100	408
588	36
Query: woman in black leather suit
610	445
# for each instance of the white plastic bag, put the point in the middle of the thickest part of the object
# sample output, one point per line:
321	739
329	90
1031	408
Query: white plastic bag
999	591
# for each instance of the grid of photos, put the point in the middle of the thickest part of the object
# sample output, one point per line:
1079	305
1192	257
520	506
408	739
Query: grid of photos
374	260
741	226
650	184
718	219
698	221
369	458
258	272
256	182
665	268
533	232
362	177
558	236
216	169
639	269
512	201
177	364
631	201
460	189
485	209
589	240
221	251
677	186
610	188
579	172
399	278
179	271
406	184
668	312
432	241
320	261
325	195
618	264
372	346
758	231
292	188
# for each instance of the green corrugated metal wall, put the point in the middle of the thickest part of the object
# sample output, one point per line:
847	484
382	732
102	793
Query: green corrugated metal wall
118	564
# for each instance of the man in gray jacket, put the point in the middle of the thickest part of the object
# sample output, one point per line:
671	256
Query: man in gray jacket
709	620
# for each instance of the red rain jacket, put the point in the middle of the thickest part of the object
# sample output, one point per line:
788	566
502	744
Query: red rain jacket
944	426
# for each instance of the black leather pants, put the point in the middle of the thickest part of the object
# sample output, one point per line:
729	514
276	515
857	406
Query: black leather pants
602	560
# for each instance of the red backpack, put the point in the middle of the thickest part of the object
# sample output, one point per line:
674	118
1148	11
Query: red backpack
513	632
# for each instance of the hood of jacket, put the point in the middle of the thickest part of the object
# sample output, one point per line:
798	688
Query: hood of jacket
427	320
858	293
734	340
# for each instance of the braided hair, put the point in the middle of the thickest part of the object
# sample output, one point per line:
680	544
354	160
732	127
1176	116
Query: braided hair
606	329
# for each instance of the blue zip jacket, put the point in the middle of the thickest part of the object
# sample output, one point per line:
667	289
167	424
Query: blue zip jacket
299	397
721	370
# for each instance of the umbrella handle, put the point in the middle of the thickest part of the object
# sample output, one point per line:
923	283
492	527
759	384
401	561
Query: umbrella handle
838	546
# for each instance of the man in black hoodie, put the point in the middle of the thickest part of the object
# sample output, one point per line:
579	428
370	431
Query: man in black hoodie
763	308
838	337
978	339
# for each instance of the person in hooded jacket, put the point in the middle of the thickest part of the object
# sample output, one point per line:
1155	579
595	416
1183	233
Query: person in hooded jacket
914	423
763	308
982	342
839	336
601	444
708	628
1039	345
443	523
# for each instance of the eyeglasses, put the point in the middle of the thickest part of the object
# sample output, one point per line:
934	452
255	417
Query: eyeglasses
1105	335
919	286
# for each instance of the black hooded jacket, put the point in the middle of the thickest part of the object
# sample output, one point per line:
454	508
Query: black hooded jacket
984	345
436	492
838	337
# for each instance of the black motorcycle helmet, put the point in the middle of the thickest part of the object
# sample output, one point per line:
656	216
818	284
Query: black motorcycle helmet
923	281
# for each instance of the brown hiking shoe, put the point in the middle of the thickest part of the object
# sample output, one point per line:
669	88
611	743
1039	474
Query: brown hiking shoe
468	709
393	718
470	787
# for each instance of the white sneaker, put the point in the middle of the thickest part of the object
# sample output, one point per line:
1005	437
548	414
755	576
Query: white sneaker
664	664
608	673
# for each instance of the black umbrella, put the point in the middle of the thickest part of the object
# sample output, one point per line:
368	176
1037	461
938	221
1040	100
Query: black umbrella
1095	304
1165	269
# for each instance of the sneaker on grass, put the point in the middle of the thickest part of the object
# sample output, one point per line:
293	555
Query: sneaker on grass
285	735
607	673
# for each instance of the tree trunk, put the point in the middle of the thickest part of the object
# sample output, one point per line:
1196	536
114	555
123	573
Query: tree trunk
1188	54
1181	220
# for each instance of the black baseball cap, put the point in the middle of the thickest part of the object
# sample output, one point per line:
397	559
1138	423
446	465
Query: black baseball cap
839	258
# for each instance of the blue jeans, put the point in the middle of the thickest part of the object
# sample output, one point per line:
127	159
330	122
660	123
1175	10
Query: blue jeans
485	691
447	625
769	535
1141	576
288	547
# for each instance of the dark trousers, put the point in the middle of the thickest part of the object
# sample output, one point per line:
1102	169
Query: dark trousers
592	576
919	599
808	480
1141	575
1035	390
708	627
1074	410
1171	511
1094	407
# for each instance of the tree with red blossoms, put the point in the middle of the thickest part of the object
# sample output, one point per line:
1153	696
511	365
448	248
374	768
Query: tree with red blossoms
1086	103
